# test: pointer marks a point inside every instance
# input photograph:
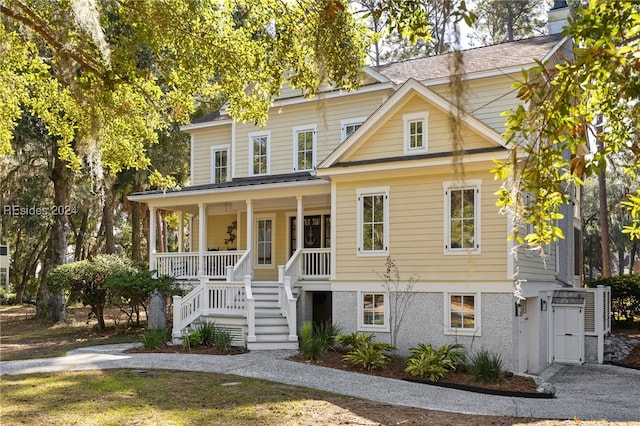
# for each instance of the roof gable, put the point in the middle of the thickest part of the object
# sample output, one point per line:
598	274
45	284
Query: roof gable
410	97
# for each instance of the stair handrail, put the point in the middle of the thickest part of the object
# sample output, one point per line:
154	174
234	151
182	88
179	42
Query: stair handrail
251	310
288	277
289	308
240	269
187	309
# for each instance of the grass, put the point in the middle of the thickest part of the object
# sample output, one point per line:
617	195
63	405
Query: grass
133	397
22	336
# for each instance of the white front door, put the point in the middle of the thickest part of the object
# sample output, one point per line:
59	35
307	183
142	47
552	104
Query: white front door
568	334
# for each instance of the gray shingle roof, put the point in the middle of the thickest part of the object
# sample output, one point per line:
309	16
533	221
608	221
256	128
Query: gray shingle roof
252	181
504	55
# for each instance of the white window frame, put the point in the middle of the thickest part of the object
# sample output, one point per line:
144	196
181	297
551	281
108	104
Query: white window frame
349	122
303	129
214	150
458	331
252	136
372	327
412	118
364	192
476	185
257	220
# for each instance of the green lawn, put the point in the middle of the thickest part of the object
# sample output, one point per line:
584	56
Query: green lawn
22	336
154	397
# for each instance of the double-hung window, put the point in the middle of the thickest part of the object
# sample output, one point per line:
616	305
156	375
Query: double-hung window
219	164
372	311
304	148
259	153
462	313
415	132
373	221
462	217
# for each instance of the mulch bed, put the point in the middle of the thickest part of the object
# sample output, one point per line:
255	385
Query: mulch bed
510	386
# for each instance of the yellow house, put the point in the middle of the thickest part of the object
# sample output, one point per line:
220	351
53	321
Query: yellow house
295	221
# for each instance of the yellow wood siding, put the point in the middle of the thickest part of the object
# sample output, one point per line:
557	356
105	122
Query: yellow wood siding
324	114
487	98
388	141
204	139
416	229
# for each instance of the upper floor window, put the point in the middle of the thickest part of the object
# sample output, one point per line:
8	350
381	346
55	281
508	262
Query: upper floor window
350	125
219	164
304	148
373	221
259	151
462	218
415	132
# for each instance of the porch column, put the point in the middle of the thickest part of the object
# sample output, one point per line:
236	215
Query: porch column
152	238
249	225
180	231
202	237
300	224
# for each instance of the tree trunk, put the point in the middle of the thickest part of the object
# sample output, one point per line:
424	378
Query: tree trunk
632	256
136	225
620	260
54	303
605	241
107	217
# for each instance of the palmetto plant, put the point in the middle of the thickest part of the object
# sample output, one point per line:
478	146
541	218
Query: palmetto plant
434	364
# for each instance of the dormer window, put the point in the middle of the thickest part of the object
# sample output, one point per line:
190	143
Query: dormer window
415	132
350	125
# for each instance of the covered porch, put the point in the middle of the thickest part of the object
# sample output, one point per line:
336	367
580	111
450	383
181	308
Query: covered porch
248	226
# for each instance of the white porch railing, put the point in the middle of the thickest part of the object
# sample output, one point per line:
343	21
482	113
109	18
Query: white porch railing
186	265
216	263
208	299
316	263
179	265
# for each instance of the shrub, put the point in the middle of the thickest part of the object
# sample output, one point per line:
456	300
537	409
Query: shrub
85	281
129	290
625	295
428	362
153	339
487	366
354	339
316	340
207	331
369	355
7	298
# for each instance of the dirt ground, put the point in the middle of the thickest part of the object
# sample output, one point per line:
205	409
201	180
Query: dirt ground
352	411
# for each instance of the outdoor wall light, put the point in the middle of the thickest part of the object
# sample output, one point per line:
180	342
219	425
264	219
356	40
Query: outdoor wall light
519	309
543	305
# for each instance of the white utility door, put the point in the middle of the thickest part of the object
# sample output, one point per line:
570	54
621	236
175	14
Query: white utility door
523	338
568	344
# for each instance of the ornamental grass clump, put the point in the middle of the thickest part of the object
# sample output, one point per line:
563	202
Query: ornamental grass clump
317	339
487	366
154	339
